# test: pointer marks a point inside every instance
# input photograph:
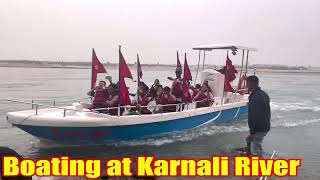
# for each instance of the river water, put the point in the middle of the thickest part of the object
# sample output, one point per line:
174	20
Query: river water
295	103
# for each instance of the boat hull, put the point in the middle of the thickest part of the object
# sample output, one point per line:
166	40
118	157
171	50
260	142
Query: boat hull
130	132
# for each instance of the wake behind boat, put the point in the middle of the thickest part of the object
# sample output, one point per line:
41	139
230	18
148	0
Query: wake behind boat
82	123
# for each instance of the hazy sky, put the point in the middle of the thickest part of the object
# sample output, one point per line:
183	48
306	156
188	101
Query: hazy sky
284	31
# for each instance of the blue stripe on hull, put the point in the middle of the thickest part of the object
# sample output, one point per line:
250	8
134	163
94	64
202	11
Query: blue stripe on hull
129	132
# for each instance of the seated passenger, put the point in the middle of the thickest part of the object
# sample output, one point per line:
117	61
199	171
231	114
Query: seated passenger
142	84
192	90
159	93
196	89
113	99
205	97
206	82
100	95
142	92
168	98
135	110
149	101
157	87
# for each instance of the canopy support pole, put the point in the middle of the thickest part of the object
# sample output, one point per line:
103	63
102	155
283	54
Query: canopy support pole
204	58
198	67
241	70
224	82
245	74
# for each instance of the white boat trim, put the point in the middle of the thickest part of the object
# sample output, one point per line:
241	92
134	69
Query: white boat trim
55	117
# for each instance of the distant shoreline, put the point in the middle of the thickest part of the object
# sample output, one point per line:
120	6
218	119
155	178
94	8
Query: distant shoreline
87	65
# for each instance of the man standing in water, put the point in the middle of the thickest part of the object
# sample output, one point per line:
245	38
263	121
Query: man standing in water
258	115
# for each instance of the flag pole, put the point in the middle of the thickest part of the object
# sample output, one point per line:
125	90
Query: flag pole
224	84
92	69
119	90
184	80
91	98
138	75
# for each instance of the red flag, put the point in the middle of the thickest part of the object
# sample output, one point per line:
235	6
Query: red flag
186	77
123	67
124	71
186	74
97	67
139	69
124	94
178	61
229	75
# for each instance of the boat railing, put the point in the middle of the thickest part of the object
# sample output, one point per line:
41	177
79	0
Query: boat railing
54	101
179	106
37	105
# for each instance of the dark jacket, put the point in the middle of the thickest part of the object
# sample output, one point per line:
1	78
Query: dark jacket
259	113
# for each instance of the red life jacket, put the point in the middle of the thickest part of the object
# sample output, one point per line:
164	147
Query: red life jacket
177	88
169	100
201	97
228	87
114	111
99	96
195	92
229	77
230	73
145	100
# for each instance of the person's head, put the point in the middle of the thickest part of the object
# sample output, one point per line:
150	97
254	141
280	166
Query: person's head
142	84
102	84
143	90
252	83
152	93
206	82
205	88
178	72
166	90
159	90
198	86
112	88
156	82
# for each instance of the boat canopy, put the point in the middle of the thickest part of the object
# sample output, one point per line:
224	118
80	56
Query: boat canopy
224	46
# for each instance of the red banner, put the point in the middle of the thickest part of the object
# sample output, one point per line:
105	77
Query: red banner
97	67
186	77
124	72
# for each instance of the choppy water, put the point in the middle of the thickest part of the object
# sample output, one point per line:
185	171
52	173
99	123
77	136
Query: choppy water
295	119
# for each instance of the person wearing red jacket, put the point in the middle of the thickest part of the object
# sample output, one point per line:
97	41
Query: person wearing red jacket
113	100
230	74
168	98
100	95
204	97
176	88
